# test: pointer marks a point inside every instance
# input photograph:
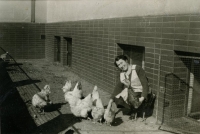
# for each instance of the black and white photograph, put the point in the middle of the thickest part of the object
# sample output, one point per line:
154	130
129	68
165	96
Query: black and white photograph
100	66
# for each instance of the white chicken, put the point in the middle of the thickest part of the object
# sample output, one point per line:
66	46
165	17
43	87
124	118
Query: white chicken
80	108
74	95
41	99
67	87
109	114
97	110
95	93
3	56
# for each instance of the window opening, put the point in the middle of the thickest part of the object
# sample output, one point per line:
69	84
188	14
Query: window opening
57	50
67	51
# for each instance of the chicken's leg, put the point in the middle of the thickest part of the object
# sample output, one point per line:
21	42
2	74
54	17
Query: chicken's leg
143	117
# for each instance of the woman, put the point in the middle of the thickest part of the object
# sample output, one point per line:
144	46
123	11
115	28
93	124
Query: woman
133	83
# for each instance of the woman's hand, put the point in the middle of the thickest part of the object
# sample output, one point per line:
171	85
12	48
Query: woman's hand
126	82
111	100
141	99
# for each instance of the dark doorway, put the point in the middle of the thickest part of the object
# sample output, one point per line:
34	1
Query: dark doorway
196	84
57	50
67	54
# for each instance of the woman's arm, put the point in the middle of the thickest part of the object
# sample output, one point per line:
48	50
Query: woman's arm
143	79
118	87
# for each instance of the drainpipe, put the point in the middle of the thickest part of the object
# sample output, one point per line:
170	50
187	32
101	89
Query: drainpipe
33	11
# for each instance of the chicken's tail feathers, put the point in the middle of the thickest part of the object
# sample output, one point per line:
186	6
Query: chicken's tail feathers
78	85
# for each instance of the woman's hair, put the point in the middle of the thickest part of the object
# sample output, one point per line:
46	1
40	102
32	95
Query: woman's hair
123	57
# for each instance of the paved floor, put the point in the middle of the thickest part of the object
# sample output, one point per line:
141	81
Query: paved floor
58	118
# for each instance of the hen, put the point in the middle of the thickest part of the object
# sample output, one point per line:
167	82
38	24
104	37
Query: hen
80	108
97	110
67	87
109	114
145	107
72	95
41	99
3	56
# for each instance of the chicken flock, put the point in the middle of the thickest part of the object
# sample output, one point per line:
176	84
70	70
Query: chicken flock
90	105
80	106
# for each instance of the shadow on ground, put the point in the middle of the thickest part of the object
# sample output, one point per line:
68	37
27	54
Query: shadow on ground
53	107
57	124
25	82
15	117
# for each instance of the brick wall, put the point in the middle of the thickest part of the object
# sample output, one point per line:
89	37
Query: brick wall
22	40
95	45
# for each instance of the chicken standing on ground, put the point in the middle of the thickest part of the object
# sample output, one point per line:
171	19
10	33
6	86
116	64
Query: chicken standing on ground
74	95
145	108
109	114
133	101
97	110
66	88
79	108
86	106
3	56
41	99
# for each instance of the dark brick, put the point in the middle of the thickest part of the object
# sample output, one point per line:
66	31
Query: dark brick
168	30
194	37
194	31
167	41
182	18
167	47
168	18
180	48
150	55
181	36
181	30
194	49
180	42
193	43
167	52
194	18
194	24
182	24
168	36
168	24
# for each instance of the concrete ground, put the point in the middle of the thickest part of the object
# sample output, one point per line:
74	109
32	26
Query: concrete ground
58	118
